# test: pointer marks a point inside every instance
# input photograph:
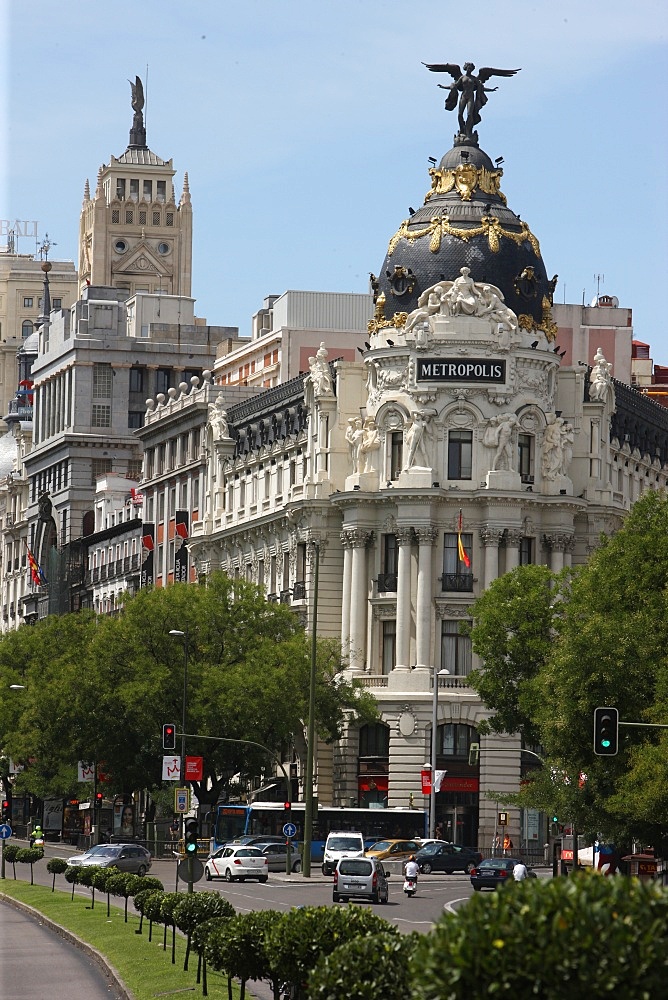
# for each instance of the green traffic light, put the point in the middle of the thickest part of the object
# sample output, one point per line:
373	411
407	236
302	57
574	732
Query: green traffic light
191	848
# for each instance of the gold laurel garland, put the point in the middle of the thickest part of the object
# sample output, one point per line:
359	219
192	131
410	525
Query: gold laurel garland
466	178
439	226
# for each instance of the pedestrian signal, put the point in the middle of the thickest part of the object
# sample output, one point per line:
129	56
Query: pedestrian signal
169	736
606	731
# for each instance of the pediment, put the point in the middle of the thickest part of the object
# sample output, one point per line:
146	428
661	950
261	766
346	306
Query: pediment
142	259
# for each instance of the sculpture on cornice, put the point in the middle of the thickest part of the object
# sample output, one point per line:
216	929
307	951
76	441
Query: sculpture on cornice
463	297
557	449
354	437
503	318
471	90
217	418
319	373
370	443
416	442
600	378
499	435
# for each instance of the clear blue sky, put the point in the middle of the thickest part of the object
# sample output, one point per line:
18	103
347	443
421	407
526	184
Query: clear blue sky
305	128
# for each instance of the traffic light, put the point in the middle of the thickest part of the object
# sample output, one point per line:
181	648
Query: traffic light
98	798
5	808
606	731
169	736
287	806
190	835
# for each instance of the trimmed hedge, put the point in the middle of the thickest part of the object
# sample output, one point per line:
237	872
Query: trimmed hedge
581	937
365	969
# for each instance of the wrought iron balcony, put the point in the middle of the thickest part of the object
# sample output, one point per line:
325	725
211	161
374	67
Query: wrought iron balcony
387	583
460	582
299	591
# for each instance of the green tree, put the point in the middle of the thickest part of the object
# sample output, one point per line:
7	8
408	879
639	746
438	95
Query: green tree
512	633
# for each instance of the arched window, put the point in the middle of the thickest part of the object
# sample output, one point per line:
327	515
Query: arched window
26	328
455	739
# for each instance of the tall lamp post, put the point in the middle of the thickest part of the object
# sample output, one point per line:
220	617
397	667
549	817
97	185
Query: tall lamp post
178	633
310	738
434	749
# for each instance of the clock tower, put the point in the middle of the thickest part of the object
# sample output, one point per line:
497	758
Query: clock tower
133	235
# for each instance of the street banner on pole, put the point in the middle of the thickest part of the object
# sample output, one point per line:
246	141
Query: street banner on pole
194	768
171	768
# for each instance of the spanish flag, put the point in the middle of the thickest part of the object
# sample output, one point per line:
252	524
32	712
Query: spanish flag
461	551
36	573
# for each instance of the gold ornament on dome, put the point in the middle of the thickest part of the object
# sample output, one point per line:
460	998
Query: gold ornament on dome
439	226
466	178
546	325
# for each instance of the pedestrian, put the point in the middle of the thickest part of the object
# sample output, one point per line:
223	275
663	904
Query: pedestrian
438	831
507	844
520	872
496	844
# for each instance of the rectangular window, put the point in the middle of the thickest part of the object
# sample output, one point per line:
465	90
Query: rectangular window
100	467
134	188
129	217
195	493
460	454
163	380
142	216
396	453
526	551
455	650
161	191
137	379
156	218
135	419
27	302
101	416
56	303
161	506
260	573
120	189
148	191
115	216
102	378
525	448
389	645
169	221
135	469
456	574
387	581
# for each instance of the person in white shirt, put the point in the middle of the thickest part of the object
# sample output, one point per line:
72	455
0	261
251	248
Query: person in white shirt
412	868
520	872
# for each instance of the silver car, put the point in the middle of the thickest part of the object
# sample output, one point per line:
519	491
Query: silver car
125	857
360	878
276	855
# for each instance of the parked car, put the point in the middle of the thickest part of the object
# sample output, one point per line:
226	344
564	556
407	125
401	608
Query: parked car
360	878
125	857
448	858
492	872
250	840
237	862
341	844
276	855
393	850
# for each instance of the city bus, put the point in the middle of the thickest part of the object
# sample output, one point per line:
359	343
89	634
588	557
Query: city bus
268	818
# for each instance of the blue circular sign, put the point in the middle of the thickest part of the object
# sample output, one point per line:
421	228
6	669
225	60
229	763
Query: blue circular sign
6	831
289	830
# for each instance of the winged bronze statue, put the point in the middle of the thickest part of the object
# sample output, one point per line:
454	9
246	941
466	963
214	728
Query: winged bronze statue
137	94
471	89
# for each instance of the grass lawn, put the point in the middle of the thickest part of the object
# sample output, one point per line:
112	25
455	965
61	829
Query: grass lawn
146	969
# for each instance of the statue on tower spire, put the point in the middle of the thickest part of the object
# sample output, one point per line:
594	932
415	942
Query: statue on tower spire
472	93
138	131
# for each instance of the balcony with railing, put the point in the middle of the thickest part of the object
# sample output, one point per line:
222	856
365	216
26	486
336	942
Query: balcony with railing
387	583
458	582
299	591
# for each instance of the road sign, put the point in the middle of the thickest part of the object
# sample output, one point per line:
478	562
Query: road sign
181	800
503	819
5	831
289	830
197	869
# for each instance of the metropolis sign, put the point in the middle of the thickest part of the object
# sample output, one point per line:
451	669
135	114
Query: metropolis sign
469	370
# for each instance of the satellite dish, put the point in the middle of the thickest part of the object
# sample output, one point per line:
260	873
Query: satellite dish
614	301
594	301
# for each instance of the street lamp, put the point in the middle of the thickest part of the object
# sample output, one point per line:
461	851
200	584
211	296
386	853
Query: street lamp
178	633
434	747
310	738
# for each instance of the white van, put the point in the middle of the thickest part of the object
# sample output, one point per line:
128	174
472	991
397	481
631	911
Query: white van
344	844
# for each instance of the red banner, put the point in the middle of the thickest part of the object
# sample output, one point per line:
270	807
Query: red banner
194	769
425	774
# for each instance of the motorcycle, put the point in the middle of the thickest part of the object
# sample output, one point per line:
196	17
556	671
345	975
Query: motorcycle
410	886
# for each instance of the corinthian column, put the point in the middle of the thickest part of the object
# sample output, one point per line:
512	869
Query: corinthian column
347	544
491	538
558	543
425	538
404	540
359	540
513	536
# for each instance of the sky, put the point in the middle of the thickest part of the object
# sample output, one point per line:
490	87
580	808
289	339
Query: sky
306	127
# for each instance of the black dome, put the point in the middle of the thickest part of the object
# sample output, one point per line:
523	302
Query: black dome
465	222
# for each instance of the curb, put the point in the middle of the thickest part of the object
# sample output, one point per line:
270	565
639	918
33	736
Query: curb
110	973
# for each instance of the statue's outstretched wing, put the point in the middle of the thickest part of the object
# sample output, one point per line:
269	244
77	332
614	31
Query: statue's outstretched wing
487	71
137	94
452	68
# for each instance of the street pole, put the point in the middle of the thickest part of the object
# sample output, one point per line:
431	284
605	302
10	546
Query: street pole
434	750
308	790
184	635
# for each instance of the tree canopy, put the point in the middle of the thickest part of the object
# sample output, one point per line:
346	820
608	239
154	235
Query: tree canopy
556	648
100	688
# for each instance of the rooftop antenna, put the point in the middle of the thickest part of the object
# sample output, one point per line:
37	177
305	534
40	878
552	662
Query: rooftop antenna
598	278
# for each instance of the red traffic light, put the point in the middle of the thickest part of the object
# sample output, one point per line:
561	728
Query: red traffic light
169	736
287	806
5	804
98	798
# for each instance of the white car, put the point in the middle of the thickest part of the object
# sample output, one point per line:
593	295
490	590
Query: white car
235	862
